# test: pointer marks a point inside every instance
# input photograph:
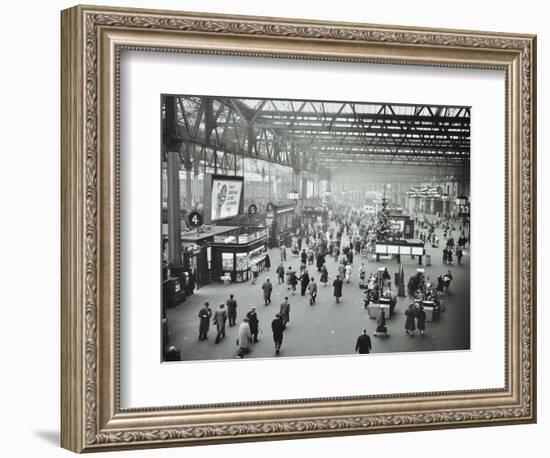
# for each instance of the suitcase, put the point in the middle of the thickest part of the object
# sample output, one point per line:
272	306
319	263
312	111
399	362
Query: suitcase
373	310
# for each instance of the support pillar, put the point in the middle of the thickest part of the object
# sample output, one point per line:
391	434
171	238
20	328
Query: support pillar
174	213
188	166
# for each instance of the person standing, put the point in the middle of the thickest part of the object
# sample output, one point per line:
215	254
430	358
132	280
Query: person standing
192	280
173	354
363	345
324	275
304	257
281	273
255	272
283	253
243	341
445	255
204	314
421	319
284	312
459	254
253	323
231	310
320	261
450	255
277	327
268	288
220	317
312	289
349	256
304	281
409	319
337	285
267	262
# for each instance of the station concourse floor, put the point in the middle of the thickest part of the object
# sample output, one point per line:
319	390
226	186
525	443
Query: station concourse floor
326	328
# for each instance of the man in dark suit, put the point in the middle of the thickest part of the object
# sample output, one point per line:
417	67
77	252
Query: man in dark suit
204	324
363	345
231	304
267	287
277	327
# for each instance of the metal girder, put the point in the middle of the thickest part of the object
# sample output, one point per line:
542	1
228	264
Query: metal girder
326	133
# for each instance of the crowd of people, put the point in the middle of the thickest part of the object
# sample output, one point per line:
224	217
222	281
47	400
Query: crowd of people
345	237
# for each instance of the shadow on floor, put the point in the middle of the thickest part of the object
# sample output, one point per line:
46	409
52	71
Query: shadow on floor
51	437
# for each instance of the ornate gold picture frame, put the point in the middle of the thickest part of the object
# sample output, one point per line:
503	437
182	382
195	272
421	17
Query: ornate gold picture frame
92	40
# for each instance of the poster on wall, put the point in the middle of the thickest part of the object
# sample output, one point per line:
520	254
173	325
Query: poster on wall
226	197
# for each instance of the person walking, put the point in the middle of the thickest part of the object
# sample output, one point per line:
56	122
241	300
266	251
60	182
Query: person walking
284	312
281	273
409	319
267	262
324	275
304	281
363	345
277	327
231	304
253	323
450	255
320	261
447	281
445	255
292	280
220	317
312	290
337	285
347	270
204	325
421	319
283	253
268	288
244	338
459	255
303	257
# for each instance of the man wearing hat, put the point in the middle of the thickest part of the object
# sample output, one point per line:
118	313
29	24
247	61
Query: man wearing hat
253	323
244	338
363	344
220	317
204	324
277	327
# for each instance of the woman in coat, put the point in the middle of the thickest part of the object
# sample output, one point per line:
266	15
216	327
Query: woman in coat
421	319
320	262
337	284
409	320
324	275
267	261
284	312
244	338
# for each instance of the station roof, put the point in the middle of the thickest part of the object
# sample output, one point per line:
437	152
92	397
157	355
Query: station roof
306	133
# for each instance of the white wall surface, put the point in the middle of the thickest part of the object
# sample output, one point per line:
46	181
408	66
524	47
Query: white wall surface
29	233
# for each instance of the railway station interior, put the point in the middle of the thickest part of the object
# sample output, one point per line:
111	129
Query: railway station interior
375	194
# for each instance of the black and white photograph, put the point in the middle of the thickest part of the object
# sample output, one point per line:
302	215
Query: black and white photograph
301	228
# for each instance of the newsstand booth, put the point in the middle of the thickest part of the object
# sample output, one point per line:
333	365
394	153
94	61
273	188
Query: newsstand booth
197	251
236	252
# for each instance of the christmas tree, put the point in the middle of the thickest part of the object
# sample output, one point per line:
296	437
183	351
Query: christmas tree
383	227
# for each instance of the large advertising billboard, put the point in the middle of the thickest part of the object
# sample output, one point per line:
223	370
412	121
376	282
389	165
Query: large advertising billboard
226	200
